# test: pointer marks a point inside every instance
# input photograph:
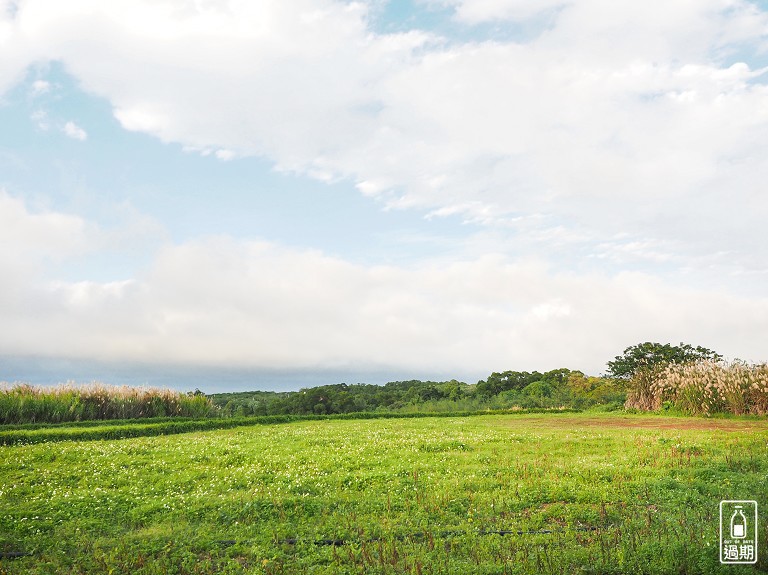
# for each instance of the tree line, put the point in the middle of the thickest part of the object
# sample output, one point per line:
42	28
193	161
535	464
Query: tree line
647	376
629	376
553	389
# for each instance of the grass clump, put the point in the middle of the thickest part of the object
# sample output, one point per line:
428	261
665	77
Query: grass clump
24	403
703	388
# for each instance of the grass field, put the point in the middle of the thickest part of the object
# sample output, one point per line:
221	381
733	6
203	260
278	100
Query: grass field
554	493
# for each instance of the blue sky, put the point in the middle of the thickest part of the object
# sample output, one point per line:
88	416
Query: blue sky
223	194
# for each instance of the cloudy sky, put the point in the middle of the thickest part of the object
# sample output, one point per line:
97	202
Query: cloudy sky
270	194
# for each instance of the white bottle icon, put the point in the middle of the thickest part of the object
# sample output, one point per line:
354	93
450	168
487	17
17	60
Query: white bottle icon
738	524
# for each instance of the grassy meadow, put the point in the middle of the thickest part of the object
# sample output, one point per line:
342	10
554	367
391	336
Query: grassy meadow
517	493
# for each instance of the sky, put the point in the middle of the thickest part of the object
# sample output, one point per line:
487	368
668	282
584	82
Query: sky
234	195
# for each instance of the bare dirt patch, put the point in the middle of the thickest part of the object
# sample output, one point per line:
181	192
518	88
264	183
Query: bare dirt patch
646	422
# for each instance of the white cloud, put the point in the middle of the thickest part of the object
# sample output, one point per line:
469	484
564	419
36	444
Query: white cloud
221	301
32	240
254	304
551	309
40	87
74	131
225	155
625	131
296	79
29	241
16	55
476	11
630	114
45	233
40	118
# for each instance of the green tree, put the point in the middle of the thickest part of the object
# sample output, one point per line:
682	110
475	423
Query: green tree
505	381
642	364
653	356
538	389
454	390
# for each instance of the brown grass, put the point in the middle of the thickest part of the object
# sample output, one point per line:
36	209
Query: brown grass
703	388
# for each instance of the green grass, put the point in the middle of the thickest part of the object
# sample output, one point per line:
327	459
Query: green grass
553	493
27	433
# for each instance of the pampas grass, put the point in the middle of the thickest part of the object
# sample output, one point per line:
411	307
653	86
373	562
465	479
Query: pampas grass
24	403
704	388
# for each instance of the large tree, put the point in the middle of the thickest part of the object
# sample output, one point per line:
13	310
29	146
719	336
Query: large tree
652	356
640	365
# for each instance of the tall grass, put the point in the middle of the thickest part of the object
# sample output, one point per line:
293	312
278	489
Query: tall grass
24	403
704	388
641	393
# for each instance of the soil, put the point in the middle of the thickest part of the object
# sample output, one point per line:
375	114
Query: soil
651	422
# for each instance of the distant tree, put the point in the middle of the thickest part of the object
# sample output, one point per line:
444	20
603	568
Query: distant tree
538	389
557	376
505	381
454	390
517	380
652	356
